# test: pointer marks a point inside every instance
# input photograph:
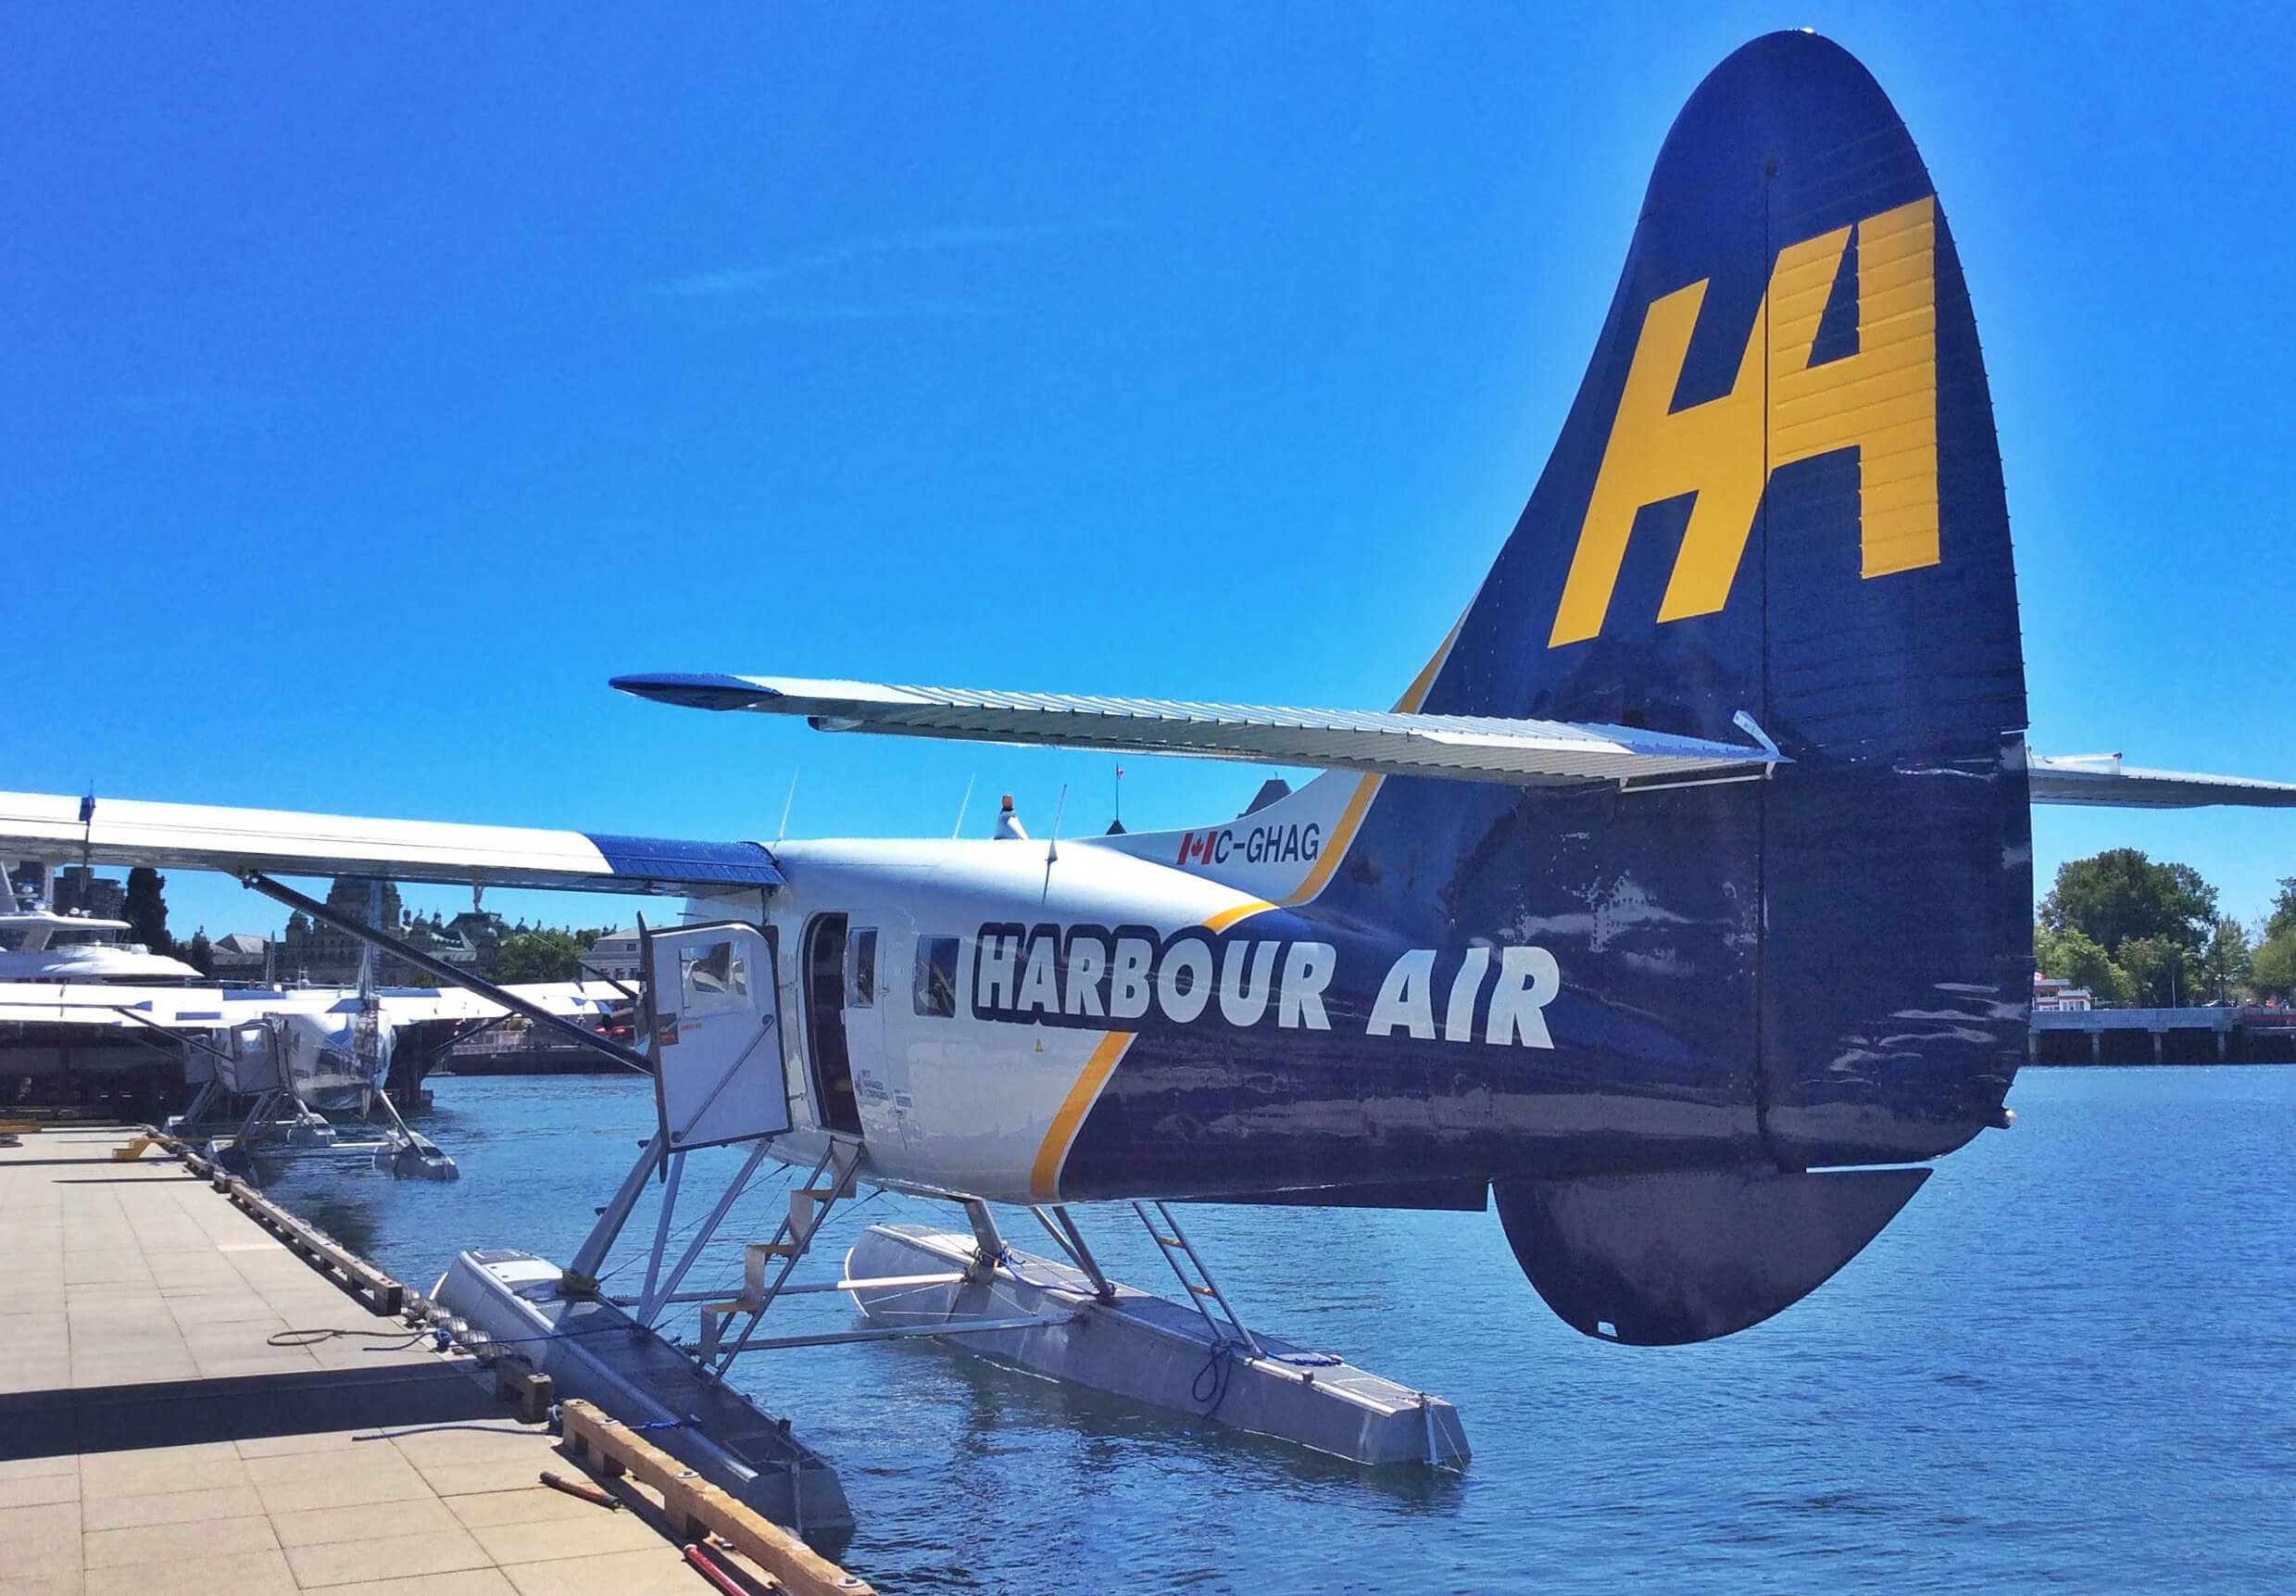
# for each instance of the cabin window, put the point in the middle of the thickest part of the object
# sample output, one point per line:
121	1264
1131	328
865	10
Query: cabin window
936	976
861	981
714	976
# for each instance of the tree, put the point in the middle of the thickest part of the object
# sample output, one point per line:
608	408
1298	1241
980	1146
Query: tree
2282	920
2120	894
539	955
2273	970
2224	963
199	953
146	908
2158	970
2071	956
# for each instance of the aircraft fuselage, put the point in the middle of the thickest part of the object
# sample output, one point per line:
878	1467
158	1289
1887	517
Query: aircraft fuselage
1116	1017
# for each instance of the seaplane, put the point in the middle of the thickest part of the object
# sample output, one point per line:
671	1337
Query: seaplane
1679	909
285	1056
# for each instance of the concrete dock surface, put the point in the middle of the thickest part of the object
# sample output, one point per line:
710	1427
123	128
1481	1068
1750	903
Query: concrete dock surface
153	1441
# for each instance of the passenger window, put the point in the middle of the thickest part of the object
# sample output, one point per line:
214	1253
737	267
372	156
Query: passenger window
860	979
936	976
715	976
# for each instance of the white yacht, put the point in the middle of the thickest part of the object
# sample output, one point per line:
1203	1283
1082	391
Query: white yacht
38	944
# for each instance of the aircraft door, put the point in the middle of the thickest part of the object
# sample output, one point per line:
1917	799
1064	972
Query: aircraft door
714	1035
864	1017
828	969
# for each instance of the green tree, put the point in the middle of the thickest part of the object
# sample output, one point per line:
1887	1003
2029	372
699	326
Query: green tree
2282	920
2224	963
199	953
2071	956
2158	970
2121	894
147	909
538	955
2273	970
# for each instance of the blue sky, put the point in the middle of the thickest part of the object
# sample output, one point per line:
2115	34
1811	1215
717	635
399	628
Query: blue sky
376	389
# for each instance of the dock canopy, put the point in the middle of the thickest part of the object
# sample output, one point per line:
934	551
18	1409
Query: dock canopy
236	841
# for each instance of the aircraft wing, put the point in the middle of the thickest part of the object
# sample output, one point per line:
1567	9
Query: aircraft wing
1467	747
200	837
61	1009
209	1007
570	999
2106	782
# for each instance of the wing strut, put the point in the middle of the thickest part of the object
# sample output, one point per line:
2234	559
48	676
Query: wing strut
384	942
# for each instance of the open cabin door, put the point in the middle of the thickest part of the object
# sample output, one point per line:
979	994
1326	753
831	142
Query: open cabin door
714	1035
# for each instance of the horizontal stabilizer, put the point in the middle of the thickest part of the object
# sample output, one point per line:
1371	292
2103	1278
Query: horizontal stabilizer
1660	1260
202	836
1467	747
2105	782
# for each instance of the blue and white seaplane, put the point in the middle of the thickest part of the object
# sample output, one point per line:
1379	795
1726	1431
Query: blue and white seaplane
1680	908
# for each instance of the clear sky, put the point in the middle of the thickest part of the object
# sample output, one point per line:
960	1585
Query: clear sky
376	387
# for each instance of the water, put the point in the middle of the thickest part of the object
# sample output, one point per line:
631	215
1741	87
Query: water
2068	1362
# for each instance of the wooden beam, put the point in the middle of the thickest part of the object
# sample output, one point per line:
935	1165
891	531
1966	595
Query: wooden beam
696	1507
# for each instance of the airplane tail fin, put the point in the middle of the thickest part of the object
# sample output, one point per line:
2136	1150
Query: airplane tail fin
1777	499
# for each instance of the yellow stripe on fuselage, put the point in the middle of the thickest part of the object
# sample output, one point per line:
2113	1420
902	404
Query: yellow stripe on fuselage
1336	846
1227	917
1416	694
1044	1179
1366	787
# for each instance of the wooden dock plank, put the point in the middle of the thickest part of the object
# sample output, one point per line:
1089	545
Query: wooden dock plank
151	1429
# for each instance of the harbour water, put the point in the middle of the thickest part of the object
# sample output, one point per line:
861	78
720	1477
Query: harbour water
2071	1363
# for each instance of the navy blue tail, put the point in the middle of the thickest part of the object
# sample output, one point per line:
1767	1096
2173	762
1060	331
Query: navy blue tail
1778	492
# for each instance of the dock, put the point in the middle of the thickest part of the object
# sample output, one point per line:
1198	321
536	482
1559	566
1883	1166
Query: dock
2227	1035
190	1403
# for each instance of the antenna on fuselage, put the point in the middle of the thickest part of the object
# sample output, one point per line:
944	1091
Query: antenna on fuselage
963	804
1052	842
785	803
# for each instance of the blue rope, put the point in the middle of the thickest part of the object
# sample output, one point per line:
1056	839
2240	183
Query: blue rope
1004	1261
1216	1369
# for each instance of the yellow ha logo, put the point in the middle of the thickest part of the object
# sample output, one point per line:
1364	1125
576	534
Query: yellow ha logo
1881	401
